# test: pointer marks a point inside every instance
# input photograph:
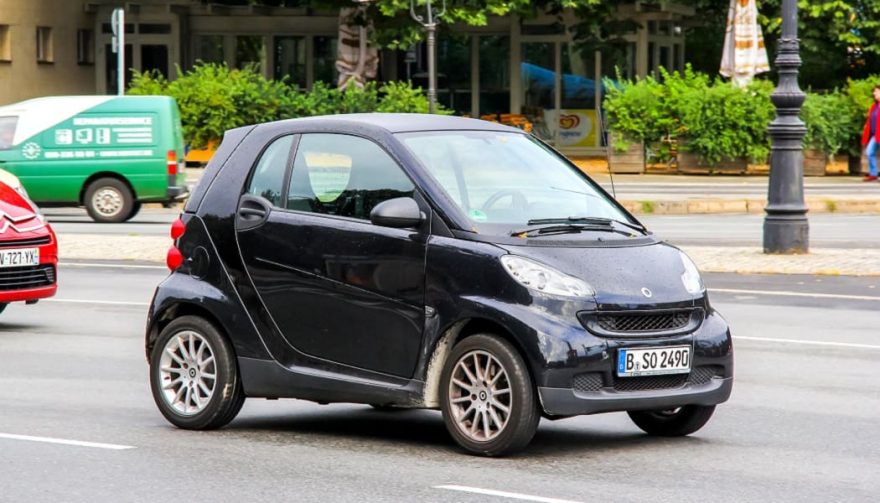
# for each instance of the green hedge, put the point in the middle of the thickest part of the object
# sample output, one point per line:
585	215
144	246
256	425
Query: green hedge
213	98
710	117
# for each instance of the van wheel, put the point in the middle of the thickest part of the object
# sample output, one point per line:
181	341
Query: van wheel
136	207
109	200
194	376
674	422
486	394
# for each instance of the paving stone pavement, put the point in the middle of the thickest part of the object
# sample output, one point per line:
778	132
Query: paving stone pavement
825	261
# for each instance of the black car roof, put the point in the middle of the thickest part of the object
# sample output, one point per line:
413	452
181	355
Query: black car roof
401	122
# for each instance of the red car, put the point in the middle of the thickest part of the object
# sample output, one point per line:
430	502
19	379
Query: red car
28	250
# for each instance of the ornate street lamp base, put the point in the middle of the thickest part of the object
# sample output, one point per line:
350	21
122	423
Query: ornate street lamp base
786	235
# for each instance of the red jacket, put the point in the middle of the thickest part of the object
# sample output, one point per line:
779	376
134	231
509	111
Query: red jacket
866	134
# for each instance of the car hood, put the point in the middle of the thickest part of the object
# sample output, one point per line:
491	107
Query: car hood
623	277
16	213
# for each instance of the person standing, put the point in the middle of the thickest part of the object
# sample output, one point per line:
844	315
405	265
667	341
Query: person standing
871	136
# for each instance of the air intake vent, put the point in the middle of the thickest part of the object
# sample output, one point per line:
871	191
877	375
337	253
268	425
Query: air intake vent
18	243
22	278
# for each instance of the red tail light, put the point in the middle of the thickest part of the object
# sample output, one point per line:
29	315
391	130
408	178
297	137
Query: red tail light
174	259
172	163
177	229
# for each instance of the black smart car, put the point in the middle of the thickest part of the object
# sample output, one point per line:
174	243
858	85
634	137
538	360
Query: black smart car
403	260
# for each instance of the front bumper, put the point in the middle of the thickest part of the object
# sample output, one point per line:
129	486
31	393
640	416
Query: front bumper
568	402
28	294
589	384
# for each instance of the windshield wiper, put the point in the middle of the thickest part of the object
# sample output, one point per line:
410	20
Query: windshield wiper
588	221
567	228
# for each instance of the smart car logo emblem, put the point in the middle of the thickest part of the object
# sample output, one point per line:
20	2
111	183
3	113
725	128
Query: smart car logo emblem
647	293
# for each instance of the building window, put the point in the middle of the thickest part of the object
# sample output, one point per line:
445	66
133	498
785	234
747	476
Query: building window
85	47
44	45
494	74
325	60
154	28
209	49
454	79
250	52
290	60
5	43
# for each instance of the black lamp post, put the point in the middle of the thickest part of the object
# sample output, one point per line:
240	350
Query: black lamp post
786	229
429	23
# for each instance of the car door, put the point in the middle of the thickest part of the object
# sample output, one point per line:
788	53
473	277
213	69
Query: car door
338	287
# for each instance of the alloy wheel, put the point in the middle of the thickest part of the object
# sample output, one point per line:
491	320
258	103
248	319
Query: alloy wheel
188	372
479	396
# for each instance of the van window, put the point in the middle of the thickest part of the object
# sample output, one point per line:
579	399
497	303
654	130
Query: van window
268	177
7	131
337	174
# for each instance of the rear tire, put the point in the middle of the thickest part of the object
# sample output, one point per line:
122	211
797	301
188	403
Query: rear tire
487	397
194	376
673	423
109	200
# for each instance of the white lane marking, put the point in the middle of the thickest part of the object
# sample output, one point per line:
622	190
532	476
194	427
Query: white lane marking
111	266
99	302
503	494
810	343
62	441
795	294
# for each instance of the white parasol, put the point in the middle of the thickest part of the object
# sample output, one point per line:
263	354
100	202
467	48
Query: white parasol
744	53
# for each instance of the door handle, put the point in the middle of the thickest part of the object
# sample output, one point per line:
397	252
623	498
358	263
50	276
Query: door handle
252	212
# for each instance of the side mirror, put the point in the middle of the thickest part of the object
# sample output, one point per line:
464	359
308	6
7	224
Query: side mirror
400	212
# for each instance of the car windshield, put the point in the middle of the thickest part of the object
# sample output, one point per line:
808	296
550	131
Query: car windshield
510	183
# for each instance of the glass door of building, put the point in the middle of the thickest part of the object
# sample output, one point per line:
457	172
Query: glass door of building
560	92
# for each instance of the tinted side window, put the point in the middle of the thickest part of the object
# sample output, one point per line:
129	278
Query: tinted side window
343	175
267	179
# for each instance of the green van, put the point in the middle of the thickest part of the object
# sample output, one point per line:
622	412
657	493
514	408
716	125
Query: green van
107	153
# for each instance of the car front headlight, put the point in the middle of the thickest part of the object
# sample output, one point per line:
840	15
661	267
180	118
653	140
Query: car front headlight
541	278
691	278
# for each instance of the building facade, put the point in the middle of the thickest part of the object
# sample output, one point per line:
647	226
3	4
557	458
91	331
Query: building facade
528	67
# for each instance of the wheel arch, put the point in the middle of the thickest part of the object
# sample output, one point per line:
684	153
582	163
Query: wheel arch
176	310
456	333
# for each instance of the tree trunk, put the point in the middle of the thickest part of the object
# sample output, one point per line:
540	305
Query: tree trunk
356	61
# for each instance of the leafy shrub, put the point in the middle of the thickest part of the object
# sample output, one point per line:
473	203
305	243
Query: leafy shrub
634	111
829	124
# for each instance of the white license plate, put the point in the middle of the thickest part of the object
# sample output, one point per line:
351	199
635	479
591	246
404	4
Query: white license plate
20	257
653	361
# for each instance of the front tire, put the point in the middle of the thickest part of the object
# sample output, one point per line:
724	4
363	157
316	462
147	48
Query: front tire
193	375
487	397
109	200
673	423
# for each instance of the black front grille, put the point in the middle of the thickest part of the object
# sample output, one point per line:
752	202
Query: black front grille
22	278
25	242
593	381
644	322
588	381
646	383
704	374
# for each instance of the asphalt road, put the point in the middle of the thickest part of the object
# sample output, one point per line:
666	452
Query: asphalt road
801	424
826	230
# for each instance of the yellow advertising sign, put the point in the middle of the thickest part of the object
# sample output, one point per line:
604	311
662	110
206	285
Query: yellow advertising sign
577	128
